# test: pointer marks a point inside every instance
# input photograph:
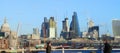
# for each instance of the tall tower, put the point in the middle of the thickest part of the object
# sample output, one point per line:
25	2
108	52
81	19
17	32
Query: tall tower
116	28
48	29
74	27
52	28
65	29
45	28
65	25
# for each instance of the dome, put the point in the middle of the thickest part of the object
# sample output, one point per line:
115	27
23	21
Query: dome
5	27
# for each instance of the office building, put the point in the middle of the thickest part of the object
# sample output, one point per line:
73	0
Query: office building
65	29
52	28
74	27
49	29
116	28
65	25
45	28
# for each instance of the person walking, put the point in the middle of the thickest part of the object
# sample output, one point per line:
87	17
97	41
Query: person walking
107	47
48	48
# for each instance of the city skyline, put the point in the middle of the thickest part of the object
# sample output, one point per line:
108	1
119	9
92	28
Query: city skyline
30	14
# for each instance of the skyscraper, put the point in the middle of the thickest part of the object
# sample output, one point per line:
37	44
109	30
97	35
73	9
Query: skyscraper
45	28
74	27
116	28
48	29
65	29
65	25
52	28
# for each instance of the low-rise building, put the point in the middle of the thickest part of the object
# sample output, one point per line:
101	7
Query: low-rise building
3	43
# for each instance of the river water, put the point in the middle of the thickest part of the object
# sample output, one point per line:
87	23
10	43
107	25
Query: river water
79	51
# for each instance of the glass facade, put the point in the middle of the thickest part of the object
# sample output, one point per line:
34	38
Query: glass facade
116	28
44	28
74	27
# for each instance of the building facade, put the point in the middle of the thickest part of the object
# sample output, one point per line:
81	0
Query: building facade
9	36
65	29
49	29
74	27
52	28
3	43
93	32
116	28
45	28
36	31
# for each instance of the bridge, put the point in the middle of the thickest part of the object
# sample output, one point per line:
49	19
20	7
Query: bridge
61	50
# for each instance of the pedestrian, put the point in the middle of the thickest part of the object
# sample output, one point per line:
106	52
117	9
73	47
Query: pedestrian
48	48
107	47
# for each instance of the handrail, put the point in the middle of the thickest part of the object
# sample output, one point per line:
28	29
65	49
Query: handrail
20	50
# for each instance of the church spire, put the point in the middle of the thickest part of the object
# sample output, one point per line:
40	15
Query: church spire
5	20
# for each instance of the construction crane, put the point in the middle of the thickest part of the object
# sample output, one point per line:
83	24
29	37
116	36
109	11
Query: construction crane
17	34
18	28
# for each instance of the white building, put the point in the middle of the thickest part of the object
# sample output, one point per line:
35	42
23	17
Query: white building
52	32
52	28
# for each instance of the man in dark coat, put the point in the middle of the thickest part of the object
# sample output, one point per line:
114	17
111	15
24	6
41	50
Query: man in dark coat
107	47
48	48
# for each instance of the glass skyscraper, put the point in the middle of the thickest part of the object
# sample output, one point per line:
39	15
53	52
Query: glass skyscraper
74	27
116	28
65	29
44	28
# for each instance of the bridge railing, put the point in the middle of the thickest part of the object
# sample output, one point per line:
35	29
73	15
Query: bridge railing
65	51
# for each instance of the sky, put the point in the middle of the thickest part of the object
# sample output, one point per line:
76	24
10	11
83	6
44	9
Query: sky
30	13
